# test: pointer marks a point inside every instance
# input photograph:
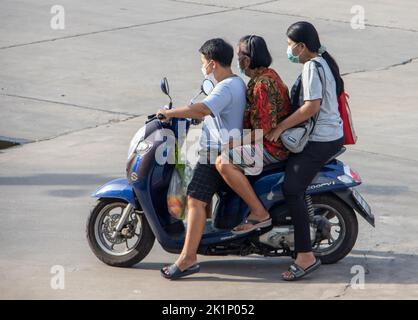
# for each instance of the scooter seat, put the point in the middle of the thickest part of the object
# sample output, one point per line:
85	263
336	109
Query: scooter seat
278	166
343	149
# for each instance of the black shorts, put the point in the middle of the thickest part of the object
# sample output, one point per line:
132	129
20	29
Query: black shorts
205	182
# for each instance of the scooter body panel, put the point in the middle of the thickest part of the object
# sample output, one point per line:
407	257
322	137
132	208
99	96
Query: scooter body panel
117	189
270	188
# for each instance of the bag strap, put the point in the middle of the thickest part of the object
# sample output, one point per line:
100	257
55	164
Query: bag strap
295	94
318	66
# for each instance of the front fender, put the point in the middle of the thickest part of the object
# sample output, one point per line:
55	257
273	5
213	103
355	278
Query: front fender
118	189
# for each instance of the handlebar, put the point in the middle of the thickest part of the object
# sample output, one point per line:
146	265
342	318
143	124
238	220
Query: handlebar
160	117
154	116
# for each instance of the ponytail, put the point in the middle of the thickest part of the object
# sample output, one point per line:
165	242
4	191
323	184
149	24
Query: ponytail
335	71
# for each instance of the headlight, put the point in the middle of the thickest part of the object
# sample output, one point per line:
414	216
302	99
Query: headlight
143	147
140	149
139	136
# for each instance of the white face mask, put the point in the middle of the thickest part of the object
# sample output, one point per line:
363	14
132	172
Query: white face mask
209	76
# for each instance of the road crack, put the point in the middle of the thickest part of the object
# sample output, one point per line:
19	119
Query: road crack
116	29
222	6
111	121
344	292
251	7
398	64
68	104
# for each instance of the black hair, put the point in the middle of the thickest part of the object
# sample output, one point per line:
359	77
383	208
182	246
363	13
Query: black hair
256	49
218	50
305	32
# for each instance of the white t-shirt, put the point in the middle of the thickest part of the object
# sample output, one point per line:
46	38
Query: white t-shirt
227	102
329	126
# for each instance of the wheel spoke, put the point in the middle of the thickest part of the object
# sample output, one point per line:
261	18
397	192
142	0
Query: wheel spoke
331	240
335	225
105	226
324	214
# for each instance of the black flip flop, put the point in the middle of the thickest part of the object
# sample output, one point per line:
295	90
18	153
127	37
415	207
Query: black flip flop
298	272
174	271
254	225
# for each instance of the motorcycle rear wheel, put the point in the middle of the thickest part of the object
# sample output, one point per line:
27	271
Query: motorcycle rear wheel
335	210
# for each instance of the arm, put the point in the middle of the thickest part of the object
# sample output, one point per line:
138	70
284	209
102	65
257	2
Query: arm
250	138
306	111
312	93
213	104
194	111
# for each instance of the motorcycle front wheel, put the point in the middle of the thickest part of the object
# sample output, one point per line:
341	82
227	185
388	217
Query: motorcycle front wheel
129	246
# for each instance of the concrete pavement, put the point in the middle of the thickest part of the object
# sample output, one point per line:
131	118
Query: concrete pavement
81	93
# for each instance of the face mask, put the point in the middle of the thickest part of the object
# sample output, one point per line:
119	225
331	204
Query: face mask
204	71
209	76
239	68
291	56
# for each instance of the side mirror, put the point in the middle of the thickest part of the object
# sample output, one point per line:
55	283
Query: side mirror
164	86
207	86
166	89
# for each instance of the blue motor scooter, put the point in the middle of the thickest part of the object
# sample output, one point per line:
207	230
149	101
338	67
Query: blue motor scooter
131	212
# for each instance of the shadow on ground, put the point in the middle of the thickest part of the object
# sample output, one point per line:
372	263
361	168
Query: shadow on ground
378	265
50	179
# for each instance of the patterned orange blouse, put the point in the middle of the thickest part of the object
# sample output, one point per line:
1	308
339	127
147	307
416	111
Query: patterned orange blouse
267	105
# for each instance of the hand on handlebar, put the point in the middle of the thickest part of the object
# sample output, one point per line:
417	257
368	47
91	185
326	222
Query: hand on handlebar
196	122
162	115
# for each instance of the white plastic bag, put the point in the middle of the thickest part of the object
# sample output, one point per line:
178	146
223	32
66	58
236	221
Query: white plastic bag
176	196
177	190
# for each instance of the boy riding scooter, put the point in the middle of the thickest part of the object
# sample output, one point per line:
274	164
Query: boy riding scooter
223	110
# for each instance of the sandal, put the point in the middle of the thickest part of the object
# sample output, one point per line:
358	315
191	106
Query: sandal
298	272
174	272
254	225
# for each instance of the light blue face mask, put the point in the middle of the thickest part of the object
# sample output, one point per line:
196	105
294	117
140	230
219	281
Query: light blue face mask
241	71
291	56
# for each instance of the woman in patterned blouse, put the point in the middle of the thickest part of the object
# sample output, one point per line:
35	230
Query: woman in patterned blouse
267	105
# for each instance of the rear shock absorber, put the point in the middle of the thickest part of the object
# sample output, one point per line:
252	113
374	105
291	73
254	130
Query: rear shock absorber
309	206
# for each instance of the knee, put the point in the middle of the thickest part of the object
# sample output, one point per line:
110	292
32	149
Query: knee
220	164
